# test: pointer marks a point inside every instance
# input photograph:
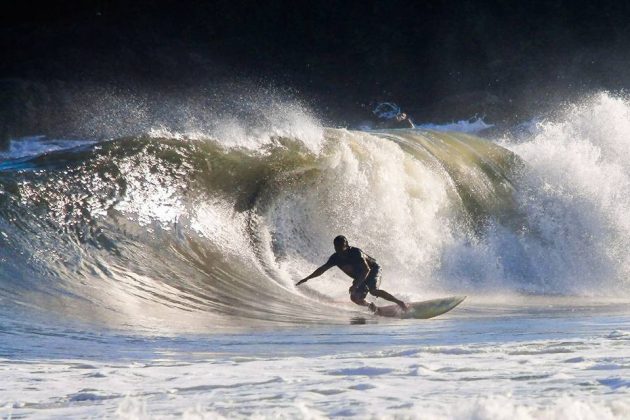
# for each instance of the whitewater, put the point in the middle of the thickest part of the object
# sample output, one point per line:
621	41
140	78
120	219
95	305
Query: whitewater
149	273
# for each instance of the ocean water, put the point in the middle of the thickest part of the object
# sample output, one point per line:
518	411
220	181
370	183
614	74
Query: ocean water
152	275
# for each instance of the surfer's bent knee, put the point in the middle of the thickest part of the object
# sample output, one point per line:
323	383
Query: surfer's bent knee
357	298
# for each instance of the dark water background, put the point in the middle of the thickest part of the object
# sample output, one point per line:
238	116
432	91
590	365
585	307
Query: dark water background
440	60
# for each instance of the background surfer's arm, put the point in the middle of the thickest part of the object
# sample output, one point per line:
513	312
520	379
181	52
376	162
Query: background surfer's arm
321	270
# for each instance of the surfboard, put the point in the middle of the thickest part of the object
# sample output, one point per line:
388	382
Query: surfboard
422	310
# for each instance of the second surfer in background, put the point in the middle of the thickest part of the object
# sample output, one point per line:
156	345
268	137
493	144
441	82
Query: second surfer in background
363	269
390	115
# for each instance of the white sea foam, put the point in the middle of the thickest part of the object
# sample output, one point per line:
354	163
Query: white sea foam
483	366
577	194
498	407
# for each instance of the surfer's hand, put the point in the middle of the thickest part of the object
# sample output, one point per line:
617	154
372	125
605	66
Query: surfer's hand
300	282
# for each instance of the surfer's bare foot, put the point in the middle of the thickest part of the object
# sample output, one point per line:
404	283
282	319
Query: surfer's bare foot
403	306
372	307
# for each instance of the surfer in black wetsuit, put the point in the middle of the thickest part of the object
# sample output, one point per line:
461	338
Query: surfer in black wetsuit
389	115
363	269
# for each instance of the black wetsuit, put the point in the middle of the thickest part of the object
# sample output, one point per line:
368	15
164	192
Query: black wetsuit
351	263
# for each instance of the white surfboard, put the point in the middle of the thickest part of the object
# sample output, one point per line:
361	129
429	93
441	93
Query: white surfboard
422	310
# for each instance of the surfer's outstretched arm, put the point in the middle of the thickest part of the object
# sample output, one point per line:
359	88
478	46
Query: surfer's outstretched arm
321	270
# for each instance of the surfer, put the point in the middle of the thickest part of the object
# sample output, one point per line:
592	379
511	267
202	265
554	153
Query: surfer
362	268
390	115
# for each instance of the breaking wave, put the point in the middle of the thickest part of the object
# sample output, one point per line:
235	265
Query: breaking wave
213	230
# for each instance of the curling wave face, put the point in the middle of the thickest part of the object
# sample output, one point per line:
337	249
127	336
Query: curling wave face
203	234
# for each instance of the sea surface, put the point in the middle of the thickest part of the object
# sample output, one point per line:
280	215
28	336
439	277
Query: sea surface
152	275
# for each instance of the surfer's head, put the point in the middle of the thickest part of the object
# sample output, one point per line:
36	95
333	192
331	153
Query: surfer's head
341	243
